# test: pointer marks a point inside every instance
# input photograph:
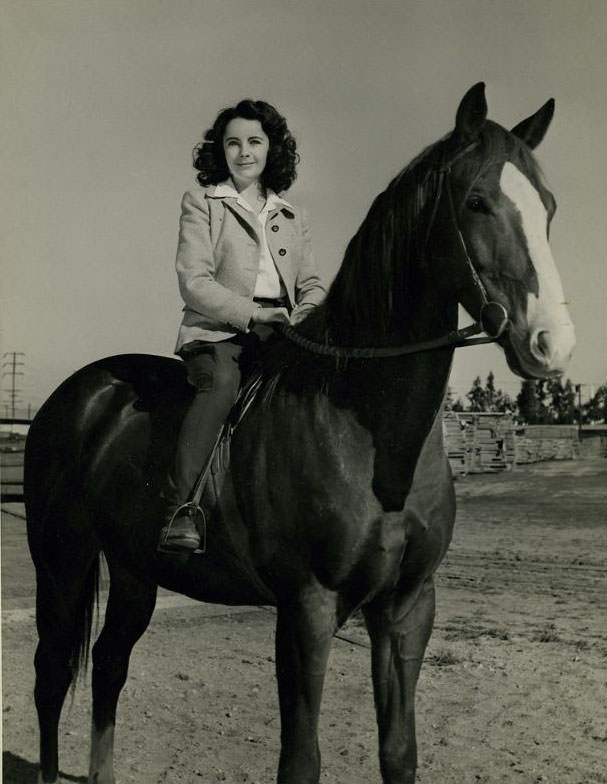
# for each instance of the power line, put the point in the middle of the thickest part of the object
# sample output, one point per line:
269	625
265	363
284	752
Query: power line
11	361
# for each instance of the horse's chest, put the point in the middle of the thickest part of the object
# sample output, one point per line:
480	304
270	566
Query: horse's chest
360	556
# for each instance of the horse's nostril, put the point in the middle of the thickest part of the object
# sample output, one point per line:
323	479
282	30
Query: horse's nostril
542	347
543	343
551	349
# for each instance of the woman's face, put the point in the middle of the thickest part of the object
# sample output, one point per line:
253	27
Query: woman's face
245	145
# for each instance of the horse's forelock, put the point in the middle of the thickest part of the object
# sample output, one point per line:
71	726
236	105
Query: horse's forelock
496	145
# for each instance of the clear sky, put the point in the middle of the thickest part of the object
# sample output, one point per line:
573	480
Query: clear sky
102	102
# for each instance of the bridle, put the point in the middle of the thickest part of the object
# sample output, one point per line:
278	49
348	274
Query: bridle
490	312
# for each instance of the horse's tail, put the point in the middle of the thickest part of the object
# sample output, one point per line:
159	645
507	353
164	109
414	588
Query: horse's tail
85	619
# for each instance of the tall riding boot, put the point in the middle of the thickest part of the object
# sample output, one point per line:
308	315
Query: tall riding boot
213	370
194	445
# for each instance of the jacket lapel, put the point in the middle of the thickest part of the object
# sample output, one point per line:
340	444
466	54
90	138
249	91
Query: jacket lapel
281	208
246	218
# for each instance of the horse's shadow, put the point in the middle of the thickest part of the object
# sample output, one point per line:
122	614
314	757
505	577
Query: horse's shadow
16	770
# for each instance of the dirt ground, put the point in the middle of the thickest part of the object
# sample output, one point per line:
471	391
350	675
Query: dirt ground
513	690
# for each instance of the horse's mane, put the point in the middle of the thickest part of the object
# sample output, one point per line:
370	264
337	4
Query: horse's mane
370	299
373	287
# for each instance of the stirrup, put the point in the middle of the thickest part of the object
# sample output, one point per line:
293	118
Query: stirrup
196	513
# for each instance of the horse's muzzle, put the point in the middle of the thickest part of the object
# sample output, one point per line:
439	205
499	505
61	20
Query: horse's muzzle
542	354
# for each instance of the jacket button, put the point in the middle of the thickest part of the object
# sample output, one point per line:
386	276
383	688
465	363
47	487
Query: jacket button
274	227
282	252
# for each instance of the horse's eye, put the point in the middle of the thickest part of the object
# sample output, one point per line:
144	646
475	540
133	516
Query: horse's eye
476	204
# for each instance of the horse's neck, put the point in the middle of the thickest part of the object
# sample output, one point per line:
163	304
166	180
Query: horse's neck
398	400
430	314
416	395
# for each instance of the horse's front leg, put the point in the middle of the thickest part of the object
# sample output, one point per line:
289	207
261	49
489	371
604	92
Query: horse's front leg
304	629
399	629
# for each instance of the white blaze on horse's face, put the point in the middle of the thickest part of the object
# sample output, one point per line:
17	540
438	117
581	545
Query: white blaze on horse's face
550	332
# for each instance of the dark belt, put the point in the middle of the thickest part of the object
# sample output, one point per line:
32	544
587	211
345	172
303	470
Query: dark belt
280	302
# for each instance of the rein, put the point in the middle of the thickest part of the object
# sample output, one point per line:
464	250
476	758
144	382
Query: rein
458	339
490	312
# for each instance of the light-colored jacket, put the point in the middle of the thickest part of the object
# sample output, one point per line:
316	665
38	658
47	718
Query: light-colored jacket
218	258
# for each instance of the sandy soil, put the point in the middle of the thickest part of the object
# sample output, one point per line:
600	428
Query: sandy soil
514	688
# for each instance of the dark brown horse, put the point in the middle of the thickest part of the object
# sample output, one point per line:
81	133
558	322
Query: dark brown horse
339	495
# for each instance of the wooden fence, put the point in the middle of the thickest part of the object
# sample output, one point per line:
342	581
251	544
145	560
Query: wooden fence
480	442
487	442
12	446
535	443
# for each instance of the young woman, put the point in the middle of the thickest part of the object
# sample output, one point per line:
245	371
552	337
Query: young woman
244	262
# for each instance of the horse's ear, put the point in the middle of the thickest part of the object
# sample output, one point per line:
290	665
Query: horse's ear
472	113
532	130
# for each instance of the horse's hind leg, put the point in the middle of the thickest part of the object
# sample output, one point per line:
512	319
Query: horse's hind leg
399	631
129	609
66	589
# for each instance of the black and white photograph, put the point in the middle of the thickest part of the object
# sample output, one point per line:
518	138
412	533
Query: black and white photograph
303	413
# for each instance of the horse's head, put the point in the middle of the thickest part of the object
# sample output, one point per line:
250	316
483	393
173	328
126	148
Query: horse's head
496	209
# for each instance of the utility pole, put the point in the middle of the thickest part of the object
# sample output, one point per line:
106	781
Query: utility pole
12	362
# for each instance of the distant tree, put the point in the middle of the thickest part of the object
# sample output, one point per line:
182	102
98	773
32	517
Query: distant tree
488	397
451	404
544	412
477	396
504	403
595	409
496	399
562	404
528	407
490	392
570	404
547	402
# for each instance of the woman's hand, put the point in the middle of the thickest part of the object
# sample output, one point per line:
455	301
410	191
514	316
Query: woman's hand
270	316
299	314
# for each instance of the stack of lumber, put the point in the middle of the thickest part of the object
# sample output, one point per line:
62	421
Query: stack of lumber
487	438
478	442
453	433
487	442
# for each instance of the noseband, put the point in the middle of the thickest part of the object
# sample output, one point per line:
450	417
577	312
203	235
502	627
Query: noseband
493	317
492	320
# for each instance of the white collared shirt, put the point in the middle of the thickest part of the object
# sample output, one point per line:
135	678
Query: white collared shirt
268	284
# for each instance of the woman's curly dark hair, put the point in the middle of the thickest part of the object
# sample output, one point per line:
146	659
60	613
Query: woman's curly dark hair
279	173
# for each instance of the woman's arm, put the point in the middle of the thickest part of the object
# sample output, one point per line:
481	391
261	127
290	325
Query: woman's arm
309	289
195	265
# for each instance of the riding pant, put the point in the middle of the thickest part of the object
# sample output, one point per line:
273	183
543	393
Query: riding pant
213	369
